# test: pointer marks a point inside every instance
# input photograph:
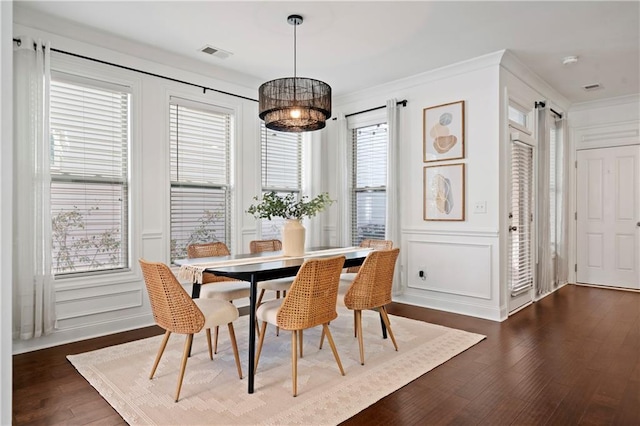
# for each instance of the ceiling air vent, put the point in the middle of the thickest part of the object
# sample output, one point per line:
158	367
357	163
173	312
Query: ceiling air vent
214	51
592	87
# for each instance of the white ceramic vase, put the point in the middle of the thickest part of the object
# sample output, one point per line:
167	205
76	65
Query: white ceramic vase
293	234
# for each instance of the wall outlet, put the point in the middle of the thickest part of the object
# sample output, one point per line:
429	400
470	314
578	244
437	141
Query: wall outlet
480	207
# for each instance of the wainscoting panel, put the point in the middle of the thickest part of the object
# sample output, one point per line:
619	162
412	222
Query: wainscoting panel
459	268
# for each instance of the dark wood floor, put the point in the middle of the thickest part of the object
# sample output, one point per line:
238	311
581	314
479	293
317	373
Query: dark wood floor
572	358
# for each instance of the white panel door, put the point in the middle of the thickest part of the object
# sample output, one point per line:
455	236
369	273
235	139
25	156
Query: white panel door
608	208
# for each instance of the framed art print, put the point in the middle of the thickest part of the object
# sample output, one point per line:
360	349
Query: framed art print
444	192
443	132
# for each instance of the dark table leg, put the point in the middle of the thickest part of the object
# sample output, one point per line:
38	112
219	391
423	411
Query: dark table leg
252	330
195	290
384	328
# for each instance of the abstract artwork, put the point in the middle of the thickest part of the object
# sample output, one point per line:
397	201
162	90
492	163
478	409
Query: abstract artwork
444	192
443	132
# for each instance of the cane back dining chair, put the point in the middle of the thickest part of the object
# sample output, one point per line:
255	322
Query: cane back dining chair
347	276
213	286
175	311
371	289
311	301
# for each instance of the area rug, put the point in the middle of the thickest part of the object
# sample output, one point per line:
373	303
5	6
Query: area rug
212	393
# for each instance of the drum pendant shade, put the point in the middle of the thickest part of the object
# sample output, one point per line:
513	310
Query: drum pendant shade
294	104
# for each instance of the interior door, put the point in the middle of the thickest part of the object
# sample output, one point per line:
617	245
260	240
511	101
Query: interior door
608	209
521	225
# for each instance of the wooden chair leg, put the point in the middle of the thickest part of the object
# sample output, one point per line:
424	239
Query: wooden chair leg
294	363
321	339
208	331
234	346
355	324
325	327
260	297
163	345
183	366
300	341
260	342
358	315
215	341
385	318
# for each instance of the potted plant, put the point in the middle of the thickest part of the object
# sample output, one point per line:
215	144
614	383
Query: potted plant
293	210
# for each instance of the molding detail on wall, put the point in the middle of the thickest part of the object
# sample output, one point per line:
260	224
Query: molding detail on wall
480	233
155	235
456	268
99	304
601	136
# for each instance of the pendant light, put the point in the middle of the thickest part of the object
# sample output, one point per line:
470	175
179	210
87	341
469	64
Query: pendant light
294	104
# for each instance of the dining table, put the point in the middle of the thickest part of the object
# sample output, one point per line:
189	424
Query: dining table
257	267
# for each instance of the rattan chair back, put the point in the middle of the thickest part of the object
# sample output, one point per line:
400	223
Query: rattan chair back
213	249
173	309
374	244
258	246
371	288
311	300
207	250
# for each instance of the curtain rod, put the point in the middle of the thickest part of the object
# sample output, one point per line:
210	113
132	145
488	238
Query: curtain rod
542	104
204	88
402	102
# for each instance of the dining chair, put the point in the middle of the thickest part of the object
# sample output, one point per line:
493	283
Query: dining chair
175	311
278	285
371	289
311	301
347	276
216	287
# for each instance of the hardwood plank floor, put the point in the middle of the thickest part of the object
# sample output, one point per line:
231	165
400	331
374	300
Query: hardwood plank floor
571	358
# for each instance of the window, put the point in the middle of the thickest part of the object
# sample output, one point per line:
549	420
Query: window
200	139
369	177
281	171
89	163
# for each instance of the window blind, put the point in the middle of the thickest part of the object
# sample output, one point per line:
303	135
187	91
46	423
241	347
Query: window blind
89	177
520	232
281	154
200	144
369	177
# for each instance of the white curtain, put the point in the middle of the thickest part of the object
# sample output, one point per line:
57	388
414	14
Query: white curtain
562	206
392	231
33	304
343	163
553	201
546	257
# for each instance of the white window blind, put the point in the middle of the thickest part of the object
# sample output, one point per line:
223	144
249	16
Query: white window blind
521	218
369	177
281	171
200	139
89	176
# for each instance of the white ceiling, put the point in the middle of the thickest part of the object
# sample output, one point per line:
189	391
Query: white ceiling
355	45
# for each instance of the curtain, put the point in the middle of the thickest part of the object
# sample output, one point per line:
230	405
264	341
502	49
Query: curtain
552	267
392	217
33	304
562	203
343	231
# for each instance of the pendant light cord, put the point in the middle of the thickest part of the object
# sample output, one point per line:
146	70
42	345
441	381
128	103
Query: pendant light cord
295	26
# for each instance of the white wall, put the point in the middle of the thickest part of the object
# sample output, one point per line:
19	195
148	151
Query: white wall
460	259
6	171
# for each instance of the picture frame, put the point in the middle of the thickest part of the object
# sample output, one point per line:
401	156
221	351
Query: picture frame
444	192
443	132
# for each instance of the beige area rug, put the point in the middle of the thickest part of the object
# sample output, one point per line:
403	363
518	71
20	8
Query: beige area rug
213	394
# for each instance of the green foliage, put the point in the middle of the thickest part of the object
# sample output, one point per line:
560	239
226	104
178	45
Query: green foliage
203	233
288	206
73	247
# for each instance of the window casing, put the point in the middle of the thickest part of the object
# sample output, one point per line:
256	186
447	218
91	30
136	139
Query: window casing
368	180
89	164
281	155
200	144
